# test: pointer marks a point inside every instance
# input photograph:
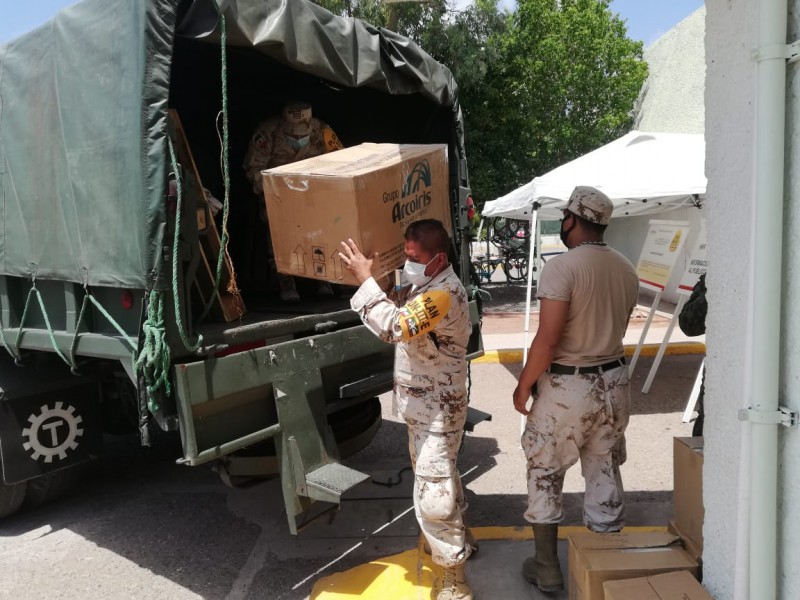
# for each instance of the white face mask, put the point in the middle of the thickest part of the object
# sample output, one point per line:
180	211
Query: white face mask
414	272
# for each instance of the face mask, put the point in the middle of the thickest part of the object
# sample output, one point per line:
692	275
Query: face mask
297	143
414	272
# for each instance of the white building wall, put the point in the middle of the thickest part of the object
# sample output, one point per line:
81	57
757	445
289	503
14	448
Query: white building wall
730	102
671	99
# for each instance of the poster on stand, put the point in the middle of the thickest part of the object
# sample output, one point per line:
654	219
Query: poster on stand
662	246
696	265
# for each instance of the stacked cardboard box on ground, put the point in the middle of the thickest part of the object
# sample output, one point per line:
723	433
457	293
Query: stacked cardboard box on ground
688	494
369	193
596	558
679	585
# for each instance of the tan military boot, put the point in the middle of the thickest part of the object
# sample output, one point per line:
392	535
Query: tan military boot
543	569
454	584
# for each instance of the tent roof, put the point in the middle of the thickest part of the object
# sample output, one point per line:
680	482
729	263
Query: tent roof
642	173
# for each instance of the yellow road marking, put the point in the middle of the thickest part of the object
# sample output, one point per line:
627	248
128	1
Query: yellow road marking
411	575
515	356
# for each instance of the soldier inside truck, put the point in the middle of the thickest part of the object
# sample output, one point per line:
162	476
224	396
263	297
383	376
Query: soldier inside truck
258	87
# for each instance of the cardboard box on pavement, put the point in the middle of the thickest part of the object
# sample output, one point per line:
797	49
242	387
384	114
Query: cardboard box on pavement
688	489
679	585
596	558
369	193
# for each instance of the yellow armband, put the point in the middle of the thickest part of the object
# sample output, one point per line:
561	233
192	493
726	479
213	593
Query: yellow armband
421	314
332	141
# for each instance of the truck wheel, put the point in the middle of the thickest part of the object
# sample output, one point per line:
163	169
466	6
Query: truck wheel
11	497
50	486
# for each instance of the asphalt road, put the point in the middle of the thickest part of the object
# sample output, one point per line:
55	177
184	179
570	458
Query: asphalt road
139	526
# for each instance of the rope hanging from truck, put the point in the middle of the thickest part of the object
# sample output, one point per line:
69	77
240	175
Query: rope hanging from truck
87	297
154	358
190	347
224	165
16	353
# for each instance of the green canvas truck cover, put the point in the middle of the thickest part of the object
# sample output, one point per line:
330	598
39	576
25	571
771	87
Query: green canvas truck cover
83	120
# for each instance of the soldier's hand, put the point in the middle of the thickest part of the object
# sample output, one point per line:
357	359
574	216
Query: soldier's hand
355	262
521	396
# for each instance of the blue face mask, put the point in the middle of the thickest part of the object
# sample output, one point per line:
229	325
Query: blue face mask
298	143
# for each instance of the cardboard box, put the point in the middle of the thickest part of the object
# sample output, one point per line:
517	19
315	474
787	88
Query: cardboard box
691	546
679	585
688	488
369	193
596	558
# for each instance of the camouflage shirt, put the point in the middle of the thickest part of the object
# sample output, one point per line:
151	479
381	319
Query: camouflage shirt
431	328
269	147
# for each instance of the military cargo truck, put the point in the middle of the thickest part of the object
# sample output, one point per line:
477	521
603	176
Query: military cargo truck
125	304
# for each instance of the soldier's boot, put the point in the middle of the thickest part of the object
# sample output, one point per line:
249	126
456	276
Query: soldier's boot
288	290
469	539
544	570
454	584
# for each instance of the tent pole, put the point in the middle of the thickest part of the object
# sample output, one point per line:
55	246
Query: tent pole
531	248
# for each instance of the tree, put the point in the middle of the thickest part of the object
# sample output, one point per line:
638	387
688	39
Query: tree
574	74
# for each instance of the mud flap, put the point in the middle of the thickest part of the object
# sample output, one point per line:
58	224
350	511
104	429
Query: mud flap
48	421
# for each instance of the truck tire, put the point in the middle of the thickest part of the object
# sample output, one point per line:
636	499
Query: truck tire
11	497
50	486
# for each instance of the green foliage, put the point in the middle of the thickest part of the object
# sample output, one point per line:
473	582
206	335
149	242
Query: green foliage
539	86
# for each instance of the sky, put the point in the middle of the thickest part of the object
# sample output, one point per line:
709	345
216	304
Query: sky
646	19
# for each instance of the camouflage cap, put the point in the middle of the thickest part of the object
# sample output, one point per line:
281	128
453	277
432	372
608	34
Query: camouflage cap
297	118
591	204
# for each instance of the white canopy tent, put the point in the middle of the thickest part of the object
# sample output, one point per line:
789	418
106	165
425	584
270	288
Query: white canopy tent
642	173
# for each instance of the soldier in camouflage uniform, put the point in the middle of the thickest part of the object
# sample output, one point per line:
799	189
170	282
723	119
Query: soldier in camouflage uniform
577	374
277	141
429	323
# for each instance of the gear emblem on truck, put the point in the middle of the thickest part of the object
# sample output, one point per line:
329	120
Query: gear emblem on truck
52	432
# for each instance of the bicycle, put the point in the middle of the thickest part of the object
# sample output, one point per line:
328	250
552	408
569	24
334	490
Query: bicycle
513	238
485	267
515	264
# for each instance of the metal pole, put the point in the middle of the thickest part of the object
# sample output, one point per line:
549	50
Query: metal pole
663	347
646	327
698	382
766	307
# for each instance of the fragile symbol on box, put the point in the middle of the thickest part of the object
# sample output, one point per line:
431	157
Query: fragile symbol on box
318	253
320	269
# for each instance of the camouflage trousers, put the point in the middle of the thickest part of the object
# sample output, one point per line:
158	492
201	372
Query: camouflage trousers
578	417
439	501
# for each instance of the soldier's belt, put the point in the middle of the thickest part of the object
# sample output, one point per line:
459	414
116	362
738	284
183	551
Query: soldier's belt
557	369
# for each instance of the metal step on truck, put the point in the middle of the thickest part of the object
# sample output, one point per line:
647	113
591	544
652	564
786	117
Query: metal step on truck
126	304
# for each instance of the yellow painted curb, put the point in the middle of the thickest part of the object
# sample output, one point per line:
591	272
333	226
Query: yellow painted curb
674	349
410	574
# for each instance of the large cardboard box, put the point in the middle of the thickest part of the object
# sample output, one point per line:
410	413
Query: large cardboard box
596	558
679	585
369	193
691	546
688	488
